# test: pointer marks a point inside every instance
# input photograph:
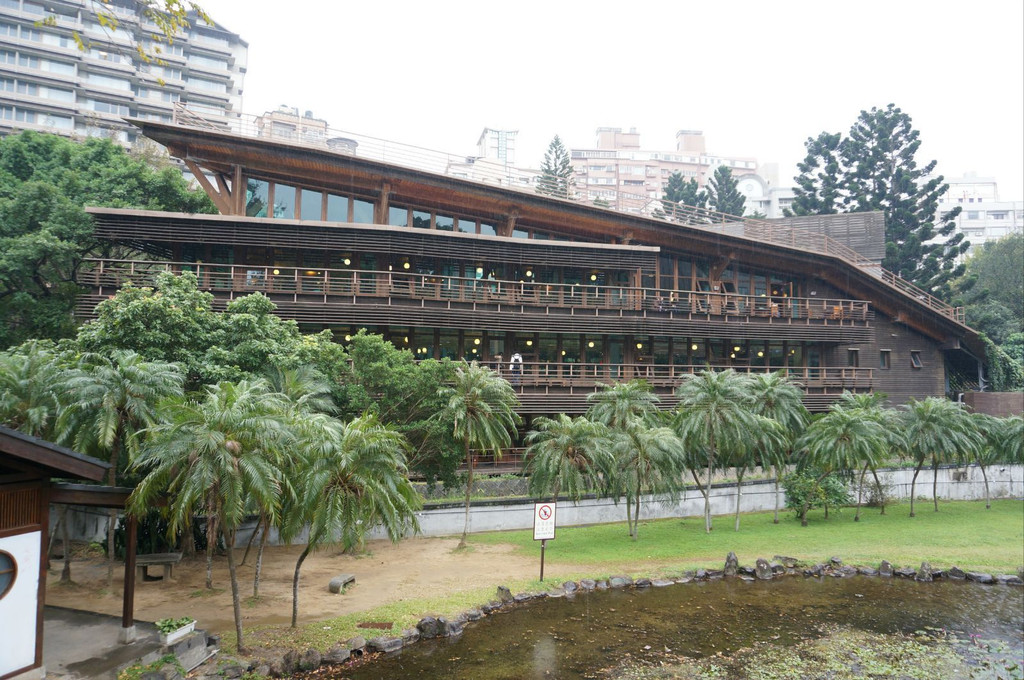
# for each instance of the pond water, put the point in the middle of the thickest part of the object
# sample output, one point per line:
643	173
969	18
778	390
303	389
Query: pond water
578	637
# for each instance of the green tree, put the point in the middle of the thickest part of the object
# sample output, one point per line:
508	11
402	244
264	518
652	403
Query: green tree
45	181
992	289
567	455
30	378
480	405
941	430
556	173
714	419
109	401
353	479
838	441
679	191
220	456
874	168
615	406
777	397
723	195
648	460
872	407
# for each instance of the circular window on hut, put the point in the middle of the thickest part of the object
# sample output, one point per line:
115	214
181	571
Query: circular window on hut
8	572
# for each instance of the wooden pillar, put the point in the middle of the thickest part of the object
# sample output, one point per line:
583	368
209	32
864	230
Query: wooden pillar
383	203
127	634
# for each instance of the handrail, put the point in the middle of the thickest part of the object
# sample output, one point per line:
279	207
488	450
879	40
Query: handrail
422	286
439	162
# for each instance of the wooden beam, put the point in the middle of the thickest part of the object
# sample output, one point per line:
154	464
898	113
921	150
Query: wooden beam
382	204
509	225
92	496
220	200
239	190
53	458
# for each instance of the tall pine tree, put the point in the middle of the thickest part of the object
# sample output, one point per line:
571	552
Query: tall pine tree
723	195
679	191
874	168
556	174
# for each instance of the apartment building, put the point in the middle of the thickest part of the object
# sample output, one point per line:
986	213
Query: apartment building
53	81
983	216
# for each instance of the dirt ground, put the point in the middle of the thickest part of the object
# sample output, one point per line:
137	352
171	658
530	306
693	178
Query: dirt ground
385	573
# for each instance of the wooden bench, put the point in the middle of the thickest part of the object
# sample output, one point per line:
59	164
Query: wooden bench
165	560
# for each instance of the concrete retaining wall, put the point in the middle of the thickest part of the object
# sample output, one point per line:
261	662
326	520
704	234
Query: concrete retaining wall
954	483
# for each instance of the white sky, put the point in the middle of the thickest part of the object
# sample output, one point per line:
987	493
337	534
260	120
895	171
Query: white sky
757	77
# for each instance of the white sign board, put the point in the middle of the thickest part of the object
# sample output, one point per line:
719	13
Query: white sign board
543	521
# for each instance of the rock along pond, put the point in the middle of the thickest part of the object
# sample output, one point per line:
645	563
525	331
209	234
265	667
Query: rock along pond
598	634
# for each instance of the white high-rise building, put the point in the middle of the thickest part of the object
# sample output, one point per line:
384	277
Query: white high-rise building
983	217
49	83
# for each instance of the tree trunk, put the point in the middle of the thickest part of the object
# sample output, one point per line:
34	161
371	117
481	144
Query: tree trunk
65	539
259	560
211	543
636	517
739	497
252	537
295	585
935	482
629	515
807	503
878	486
707	496
236	600
188	538
469	491
860	492
913	484
988	499
775	473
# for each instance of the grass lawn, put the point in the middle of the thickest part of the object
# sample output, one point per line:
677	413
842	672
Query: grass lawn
962	533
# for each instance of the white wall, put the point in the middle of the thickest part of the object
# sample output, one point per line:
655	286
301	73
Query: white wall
18	608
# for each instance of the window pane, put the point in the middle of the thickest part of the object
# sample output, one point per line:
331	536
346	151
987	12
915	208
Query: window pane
337	208
257	193
284	201
467	226
312	204
398	217
362	211
444	223
420	219
487	229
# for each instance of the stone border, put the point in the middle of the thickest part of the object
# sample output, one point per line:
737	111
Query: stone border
431	627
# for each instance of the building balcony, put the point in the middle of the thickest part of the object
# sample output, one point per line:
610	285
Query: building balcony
356	297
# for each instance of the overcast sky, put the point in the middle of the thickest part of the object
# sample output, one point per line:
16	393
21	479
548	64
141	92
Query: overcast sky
757	77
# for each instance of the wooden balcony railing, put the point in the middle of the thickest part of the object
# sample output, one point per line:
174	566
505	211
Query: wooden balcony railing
349	285
831	379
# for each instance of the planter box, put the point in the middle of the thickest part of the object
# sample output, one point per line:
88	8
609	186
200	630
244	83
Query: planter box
175	635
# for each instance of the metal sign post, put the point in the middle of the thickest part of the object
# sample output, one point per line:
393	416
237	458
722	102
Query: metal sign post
543	528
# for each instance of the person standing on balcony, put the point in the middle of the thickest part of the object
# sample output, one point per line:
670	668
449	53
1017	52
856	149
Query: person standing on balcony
515	367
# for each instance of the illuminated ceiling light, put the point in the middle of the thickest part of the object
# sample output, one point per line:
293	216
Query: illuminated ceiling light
529	273
479	271
529	343
276	272
693	346
406	265
590	344
310	272
347	261
760	354
476	341
390	268
736	348
347	338
792	351
406	339
733	355
474	350
593	277
563	352
639	345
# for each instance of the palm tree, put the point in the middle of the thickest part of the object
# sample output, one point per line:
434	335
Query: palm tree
1012	445
765	440
354	478
777	397
714	416
571	455
616	405
838	441
29	377
872	406
941	430
992	430
109	400
647	460
481	409
221	456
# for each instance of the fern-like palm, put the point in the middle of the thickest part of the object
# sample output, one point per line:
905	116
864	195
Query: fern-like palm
567	455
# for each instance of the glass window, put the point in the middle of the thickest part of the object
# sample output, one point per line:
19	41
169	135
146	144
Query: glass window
853	358
8	572
520	233
915	358
284	201
884	359
337	208
256	198
420	219
467	226
488	229
362	211
312	205
444	223
398	217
